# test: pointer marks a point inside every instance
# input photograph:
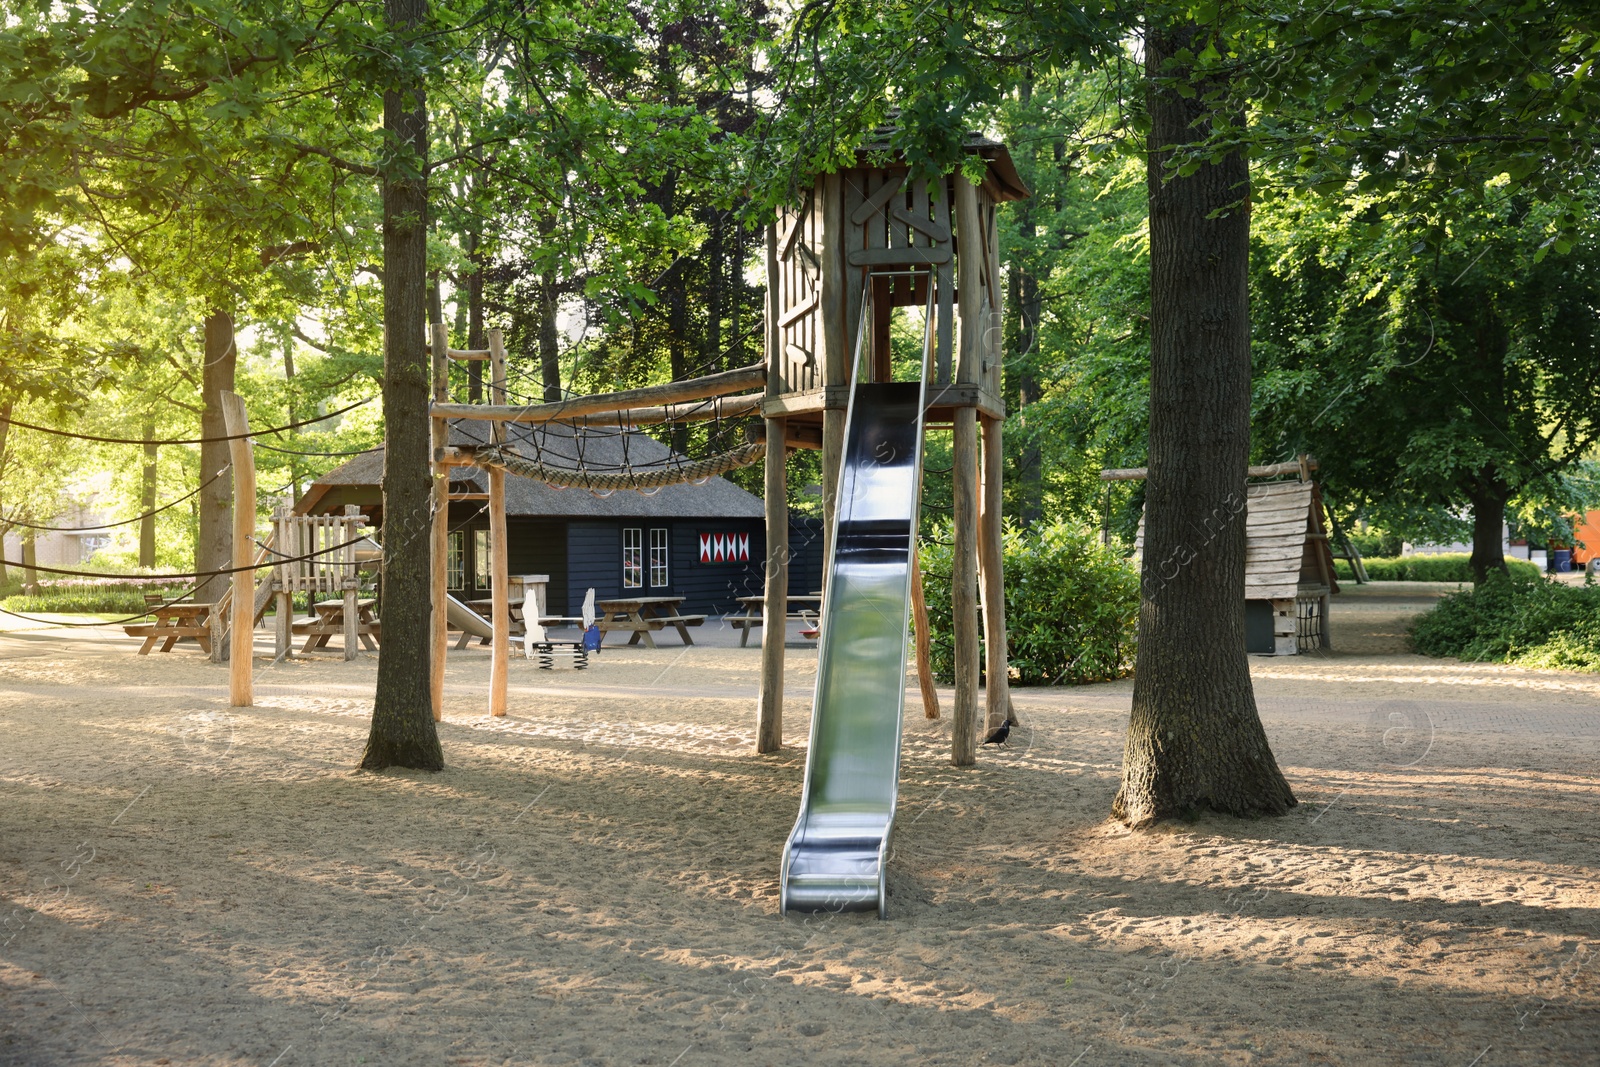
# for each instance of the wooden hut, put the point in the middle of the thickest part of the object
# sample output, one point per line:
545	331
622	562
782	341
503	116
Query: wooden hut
705	542
1288	569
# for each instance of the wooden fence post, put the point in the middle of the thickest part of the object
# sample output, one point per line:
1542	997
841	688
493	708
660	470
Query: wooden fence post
243	625
499	566
439	630
991	578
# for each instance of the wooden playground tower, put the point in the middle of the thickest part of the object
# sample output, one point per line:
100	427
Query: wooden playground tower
859	243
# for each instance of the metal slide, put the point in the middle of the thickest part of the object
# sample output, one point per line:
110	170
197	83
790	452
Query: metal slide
834	860
464	618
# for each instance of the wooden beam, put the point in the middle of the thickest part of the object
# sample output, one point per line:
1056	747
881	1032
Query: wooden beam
786	242
724	407
836	339
499	566
241	651
455	497
795	436
438	633
964	586
460	353
937	231
969	289
800	310
919	615
991	579
712	385
894	257
775	610
874	203
1269	470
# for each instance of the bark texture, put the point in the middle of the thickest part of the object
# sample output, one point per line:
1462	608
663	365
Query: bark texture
213	548
147	498
1195	739
403	732
1489	498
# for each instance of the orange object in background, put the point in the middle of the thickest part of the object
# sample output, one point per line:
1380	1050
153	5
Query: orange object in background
1585	533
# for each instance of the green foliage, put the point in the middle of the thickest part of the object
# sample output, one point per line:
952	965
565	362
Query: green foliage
105	602
1071	605
1440	567
1527	621
97	596
1370	542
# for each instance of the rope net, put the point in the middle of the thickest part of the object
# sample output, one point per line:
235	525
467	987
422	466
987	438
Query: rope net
655	477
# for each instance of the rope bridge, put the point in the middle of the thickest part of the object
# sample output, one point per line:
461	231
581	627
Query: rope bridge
654	477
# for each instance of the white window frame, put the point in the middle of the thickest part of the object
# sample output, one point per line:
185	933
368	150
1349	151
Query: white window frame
660	557
632	557
455	566
482	568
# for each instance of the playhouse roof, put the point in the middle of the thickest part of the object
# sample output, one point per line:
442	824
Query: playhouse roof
1003	182
1286	543
358	481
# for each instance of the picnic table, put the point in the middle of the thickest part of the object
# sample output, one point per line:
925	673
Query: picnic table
173	623
485	607
329	621
803	608
640	615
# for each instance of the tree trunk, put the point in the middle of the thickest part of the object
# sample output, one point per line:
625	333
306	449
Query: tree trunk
1195	739
1489	498
213	550
477	335
403	732
5	426
549	338
30	558
147	499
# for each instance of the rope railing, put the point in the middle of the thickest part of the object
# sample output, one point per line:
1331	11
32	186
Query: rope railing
633	478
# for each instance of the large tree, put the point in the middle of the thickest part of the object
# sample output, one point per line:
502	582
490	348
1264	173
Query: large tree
1195	740
403	732
1450	379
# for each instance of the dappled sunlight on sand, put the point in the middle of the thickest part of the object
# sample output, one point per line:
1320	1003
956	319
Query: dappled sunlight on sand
594	876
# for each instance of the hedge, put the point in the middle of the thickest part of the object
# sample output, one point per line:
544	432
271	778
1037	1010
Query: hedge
1530	622
1072	606
94	596
1443	567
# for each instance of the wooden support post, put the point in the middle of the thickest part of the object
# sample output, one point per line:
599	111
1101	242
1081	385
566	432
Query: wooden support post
775	610
964	586
919	616
439	637
499	568
991	578
837	337
282	625
964	476
240	692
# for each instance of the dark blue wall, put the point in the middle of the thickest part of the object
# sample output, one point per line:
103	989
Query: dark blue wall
580	554
594	559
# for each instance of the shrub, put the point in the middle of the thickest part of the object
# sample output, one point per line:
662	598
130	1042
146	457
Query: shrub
1071	606
1443	567
109	603
95	596
1530	622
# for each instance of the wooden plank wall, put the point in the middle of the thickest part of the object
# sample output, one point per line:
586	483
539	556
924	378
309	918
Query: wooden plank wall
888	223
1278	528
799	265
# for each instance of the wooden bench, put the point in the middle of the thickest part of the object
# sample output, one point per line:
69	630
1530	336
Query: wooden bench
173	623
755	614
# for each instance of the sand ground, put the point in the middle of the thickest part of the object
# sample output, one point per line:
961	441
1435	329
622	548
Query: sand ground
593	878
